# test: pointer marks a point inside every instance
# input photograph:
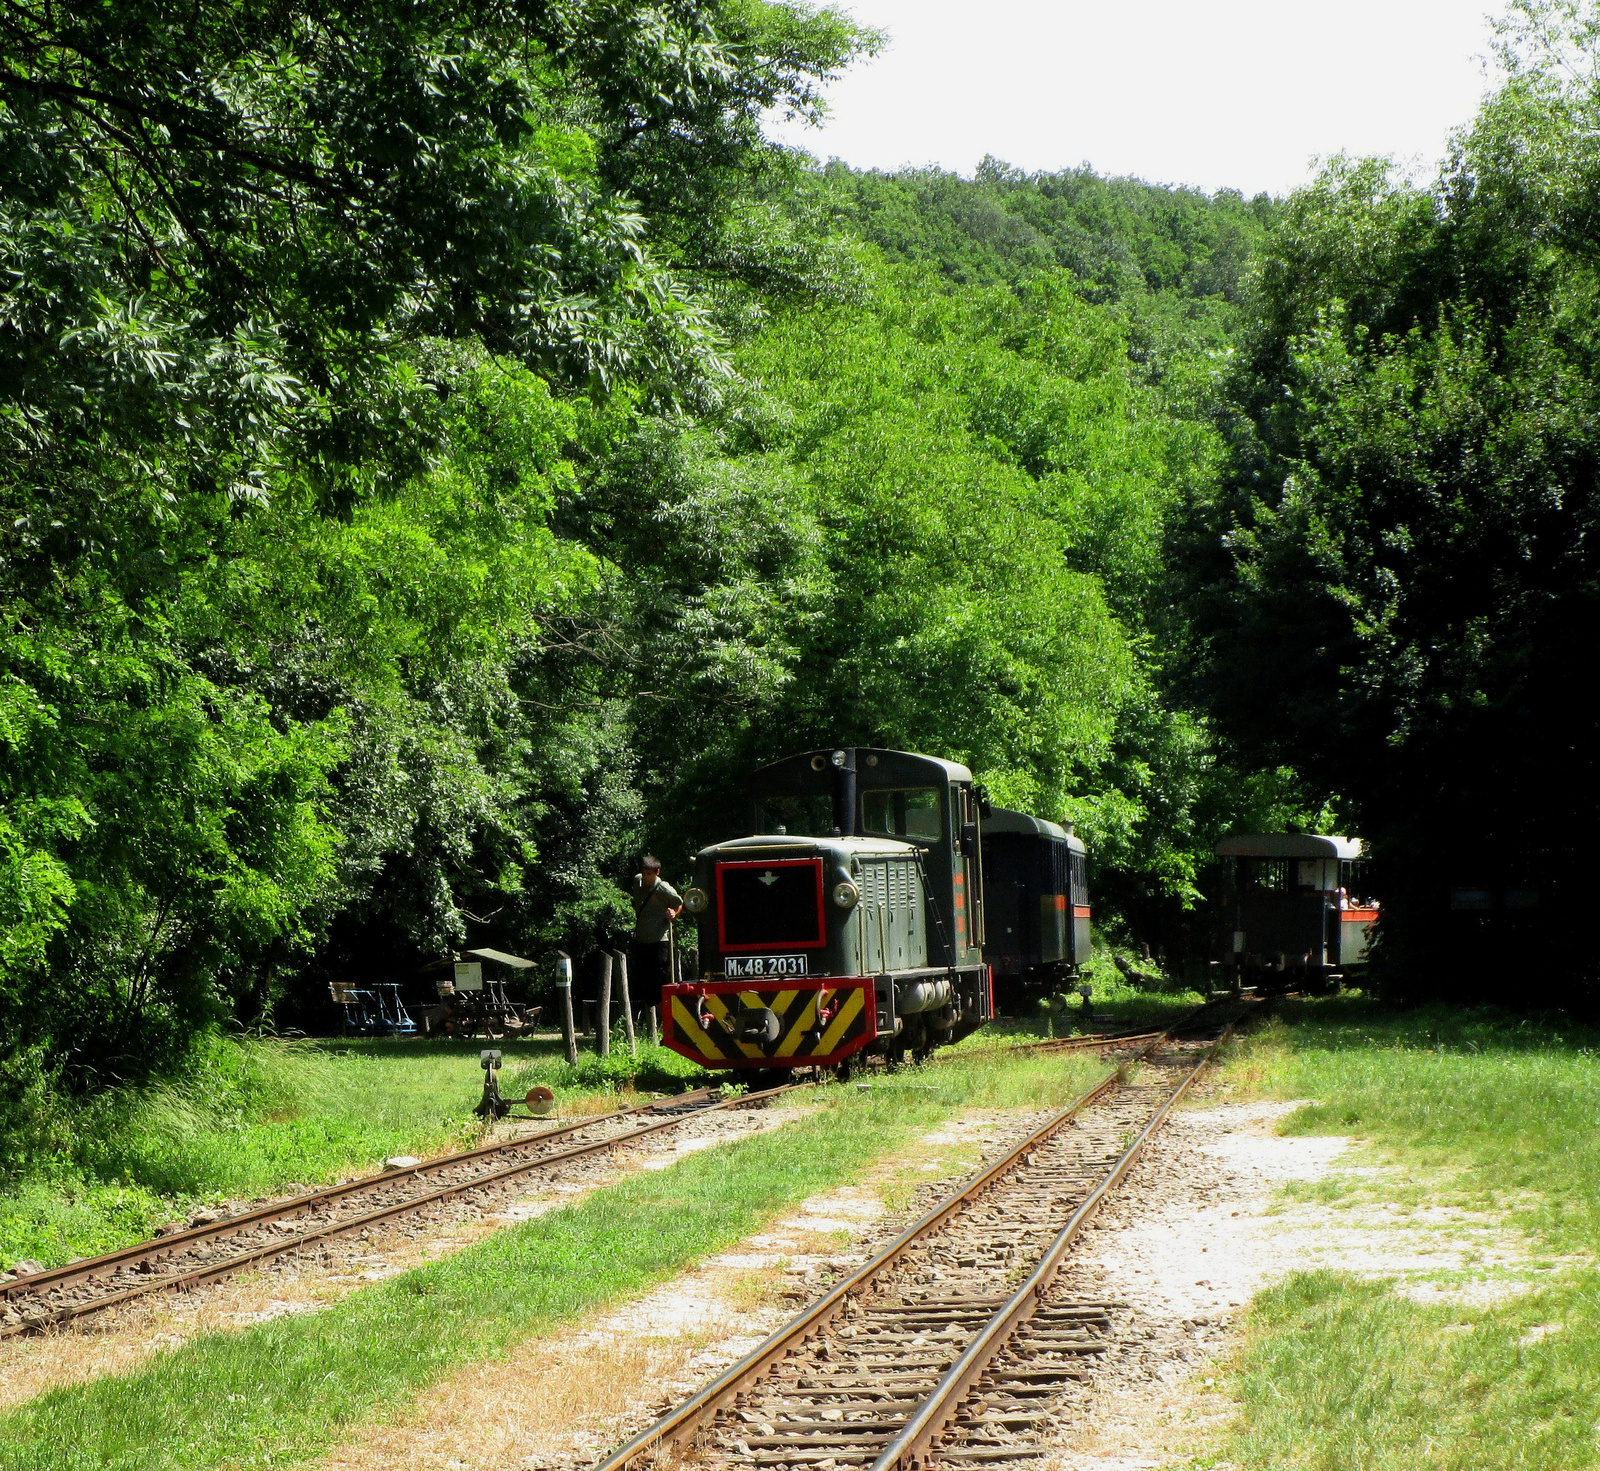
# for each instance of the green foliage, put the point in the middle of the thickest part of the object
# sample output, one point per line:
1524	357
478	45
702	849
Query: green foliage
944	506
277	471
444	451
1410	578
1178	260
1003	225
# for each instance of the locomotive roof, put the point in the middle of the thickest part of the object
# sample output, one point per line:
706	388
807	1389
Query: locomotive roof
1288	845
777	844
1004	820
953	770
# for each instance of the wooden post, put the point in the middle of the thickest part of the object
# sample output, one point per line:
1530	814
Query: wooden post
627	1003
602	1012
655	1030
569	1034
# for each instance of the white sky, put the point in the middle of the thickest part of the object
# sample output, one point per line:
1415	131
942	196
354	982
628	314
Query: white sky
1216	93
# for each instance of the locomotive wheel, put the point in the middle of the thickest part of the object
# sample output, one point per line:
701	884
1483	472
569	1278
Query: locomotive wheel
846	1069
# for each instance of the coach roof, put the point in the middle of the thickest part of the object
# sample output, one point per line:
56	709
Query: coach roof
1288	845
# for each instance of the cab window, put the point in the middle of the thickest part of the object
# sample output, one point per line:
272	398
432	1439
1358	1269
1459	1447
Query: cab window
909	812
809	815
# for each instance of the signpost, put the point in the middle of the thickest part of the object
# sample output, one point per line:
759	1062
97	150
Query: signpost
564	985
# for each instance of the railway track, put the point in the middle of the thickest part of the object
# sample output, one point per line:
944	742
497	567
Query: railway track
209	1252
1074	1044
206	1253
949	1345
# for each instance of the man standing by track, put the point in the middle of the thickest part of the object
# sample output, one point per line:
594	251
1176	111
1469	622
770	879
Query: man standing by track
655	905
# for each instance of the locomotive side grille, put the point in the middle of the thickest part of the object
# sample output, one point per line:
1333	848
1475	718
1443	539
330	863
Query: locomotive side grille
905	944
873	914
889	915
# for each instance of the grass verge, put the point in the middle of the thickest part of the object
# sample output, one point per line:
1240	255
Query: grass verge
260	1116
1468	1109
278	1393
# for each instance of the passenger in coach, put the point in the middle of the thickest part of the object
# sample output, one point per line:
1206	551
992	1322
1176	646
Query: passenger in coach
655	905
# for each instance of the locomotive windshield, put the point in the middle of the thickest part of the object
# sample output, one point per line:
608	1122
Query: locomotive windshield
809	815
910	812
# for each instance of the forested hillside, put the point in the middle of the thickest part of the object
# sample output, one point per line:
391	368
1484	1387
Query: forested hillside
444	450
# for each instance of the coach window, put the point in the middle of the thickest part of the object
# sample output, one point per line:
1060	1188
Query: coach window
909	812
1353	880
1264	873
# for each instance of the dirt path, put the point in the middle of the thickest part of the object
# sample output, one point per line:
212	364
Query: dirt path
557	1402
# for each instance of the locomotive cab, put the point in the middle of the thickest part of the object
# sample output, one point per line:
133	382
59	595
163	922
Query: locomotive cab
1295	911
851	919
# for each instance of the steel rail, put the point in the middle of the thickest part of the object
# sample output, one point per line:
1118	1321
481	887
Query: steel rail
161	1246
686	1419
911	1445
1071	1044
1099	1039
287	1244
683	1421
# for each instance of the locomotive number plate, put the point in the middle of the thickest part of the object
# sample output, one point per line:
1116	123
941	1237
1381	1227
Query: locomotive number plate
737	967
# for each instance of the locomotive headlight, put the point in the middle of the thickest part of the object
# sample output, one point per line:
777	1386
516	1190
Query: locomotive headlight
694	900
845	894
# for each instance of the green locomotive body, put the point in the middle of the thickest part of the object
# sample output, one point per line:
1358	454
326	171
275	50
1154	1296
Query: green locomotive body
852	920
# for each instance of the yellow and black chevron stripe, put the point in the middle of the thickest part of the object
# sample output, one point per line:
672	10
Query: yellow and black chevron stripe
850	1024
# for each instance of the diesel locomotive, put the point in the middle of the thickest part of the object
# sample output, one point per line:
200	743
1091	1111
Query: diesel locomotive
854	919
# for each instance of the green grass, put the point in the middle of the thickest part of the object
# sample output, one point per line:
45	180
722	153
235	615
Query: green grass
256	1116
1342	1373
280	1393
260	1116
1469	1109
1116	1006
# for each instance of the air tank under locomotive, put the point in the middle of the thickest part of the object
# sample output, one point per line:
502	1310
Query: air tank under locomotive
852	921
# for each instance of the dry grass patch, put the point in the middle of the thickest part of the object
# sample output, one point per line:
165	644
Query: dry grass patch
547	1403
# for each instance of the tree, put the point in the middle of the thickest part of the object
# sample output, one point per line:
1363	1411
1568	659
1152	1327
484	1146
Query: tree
1412	591
300	309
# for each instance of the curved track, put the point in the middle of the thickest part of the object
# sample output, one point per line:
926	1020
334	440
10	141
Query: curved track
946	1344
